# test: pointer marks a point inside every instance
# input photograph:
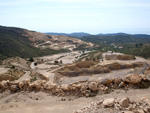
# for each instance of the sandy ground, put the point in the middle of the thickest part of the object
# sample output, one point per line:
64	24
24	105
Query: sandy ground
95	77
3	70
26	76
40	102
48	69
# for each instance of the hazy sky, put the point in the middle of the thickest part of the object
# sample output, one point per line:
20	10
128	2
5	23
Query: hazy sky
92	16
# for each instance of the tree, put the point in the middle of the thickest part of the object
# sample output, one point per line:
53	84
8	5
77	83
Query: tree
56	62
61	62
35	63
31	59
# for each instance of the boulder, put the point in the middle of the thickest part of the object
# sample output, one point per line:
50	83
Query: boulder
105	81
93	86
117	81
48	85
64	87
139	111
14	88
35	85
4	84
147	77
132	79
124	102
13	82
20	85
24	84
128	112
108	102
121	85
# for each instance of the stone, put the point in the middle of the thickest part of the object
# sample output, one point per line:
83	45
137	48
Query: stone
121	85
35	85
48	85
139	111
146	110
132	79
13	83
93	86
124	102
24	84
3	84
147	77
13	88
105	81
109	102
117	81
128	112
65	87
20	85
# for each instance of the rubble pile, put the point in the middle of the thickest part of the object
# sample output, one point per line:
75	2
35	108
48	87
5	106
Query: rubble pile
116	105
81	88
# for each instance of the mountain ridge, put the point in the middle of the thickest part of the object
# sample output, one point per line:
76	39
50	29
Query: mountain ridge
25	43
83	34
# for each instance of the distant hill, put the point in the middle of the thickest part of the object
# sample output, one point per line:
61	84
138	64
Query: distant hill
76	34
112	34
117	38
82	34
138	45
26	43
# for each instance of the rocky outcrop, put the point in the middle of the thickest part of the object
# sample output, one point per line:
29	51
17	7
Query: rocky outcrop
114	105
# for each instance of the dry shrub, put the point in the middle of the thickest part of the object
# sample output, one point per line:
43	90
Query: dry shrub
85	64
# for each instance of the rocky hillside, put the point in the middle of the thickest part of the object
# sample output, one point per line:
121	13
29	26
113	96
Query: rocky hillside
25	43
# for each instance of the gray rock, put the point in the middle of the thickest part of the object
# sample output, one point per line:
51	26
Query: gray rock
109	102
124	102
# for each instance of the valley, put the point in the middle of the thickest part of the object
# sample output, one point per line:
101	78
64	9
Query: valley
53	73
69	82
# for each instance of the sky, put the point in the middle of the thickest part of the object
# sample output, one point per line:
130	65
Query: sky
91	16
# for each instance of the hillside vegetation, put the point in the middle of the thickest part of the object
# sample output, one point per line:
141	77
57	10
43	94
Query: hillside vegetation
138	45
25	43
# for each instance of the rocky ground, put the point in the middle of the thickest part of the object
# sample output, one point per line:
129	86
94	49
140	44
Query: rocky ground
123	89
37	102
